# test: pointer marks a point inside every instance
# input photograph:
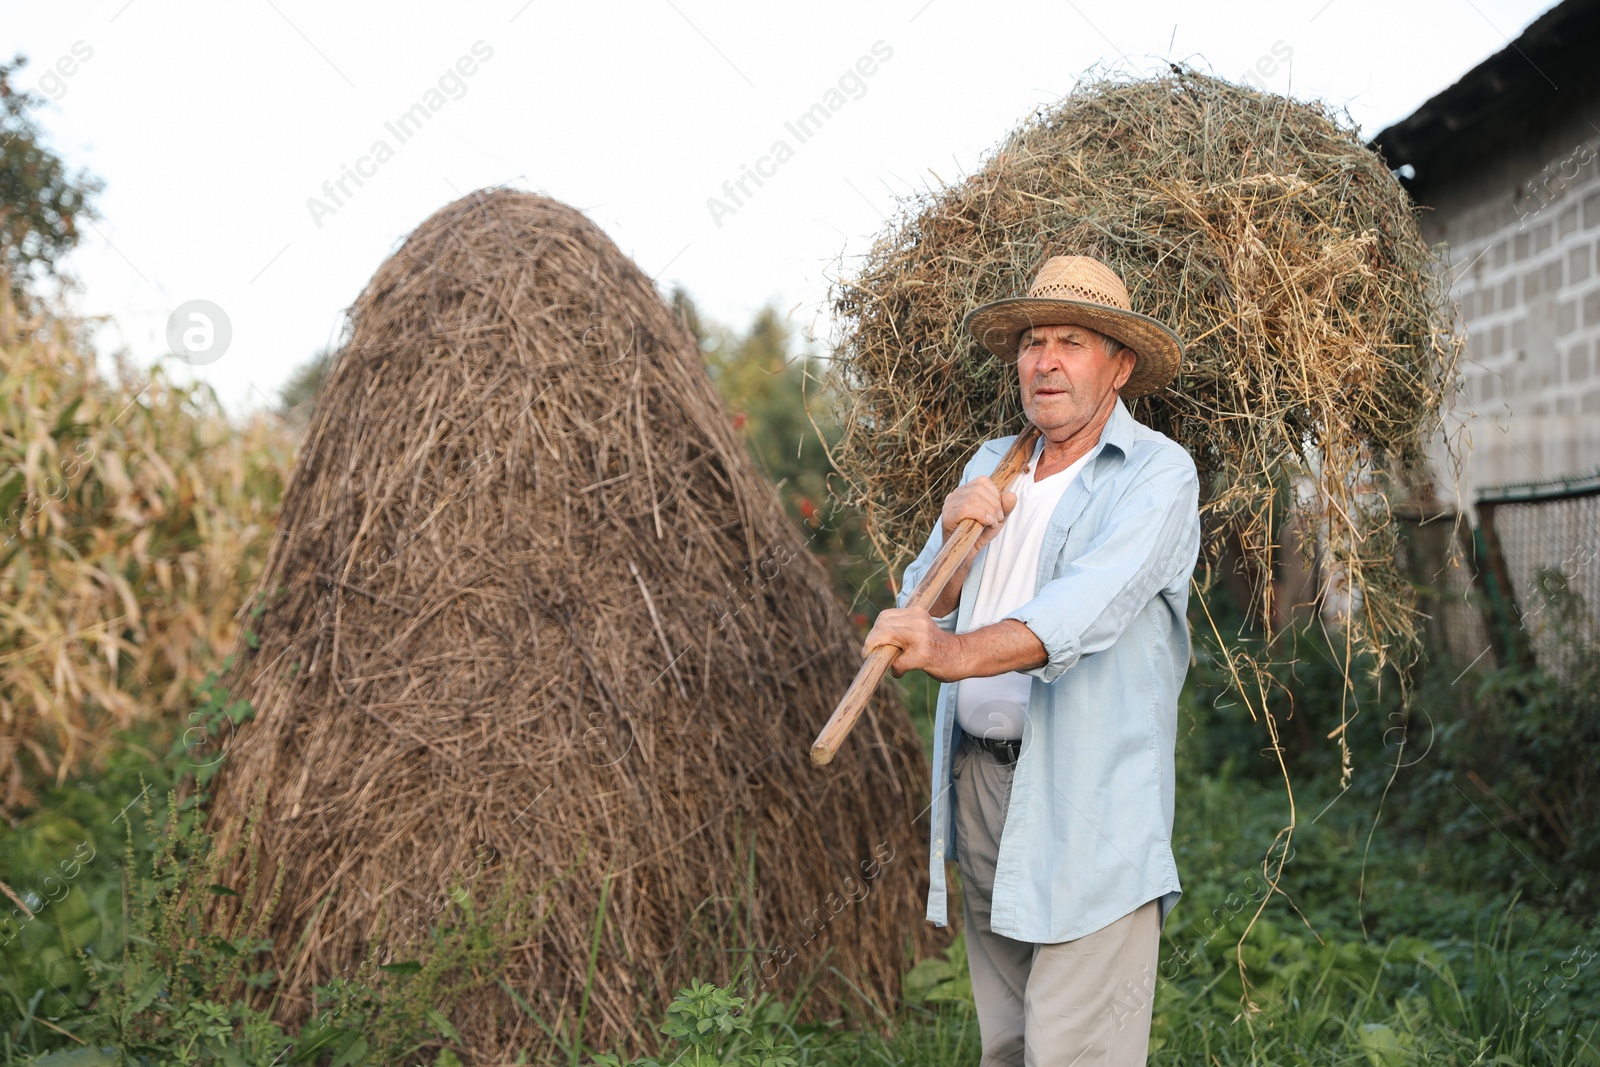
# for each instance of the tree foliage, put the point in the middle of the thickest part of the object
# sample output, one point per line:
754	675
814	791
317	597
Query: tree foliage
42	204
306	379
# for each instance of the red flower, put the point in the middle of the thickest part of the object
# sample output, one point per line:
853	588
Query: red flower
859	619
808	510
739	420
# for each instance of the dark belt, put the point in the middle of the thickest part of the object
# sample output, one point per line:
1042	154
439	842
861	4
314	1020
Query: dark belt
1003	751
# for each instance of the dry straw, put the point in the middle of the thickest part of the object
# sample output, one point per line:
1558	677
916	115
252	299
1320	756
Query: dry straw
1320	347
531	612
1281	250
133	519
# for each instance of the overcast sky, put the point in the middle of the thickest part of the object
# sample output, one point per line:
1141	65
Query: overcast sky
222	131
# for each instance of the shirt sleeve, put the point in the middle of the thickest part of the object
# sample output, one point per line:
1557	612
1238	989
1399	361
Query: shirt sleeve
919	567
1150	539
930	551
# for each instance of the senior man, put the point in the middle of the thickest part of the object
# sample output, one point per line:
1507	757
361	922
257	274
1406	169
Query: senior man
1062	643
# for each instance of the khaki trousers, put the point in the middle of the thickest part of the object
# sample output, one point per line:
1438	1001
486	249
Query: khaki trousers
1082	1003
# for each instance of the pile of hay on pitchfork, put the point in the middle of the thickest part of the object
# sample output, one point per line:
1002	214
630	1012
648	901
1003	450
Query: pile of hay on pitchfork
1320	345
531	618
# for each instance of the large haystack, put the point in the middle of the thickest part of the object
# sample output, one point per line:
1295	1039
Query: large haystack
531	611
1278	246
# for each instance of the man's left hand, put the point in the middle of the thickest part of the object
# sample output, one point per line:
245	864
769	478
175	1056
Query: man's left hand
923	645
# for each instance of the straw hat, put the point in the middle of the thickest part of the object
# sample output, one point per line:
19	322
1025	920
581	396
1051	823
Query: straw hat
1082	291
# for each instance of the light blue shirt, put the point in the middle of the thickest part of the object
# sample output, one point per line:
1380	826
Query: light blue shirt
1088	833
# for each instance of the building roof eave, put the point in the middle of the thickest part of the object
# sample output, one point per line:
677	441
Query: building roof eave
1492	102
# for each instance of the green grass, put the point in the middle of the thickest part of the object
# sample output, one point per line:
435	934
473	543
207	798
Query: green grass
1382	947
1441	974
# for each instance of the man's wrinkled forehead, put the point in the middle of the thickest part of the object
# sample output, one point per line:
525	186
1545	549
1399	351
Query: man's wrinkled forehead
1064	329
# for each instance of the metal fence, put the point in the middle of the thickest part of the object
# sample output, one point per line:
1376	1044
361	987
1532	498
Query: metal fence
1541	545
1520	587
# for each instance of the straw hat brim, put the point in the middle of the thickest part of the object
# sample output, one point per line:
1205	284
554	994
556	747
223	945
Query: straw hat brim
998	326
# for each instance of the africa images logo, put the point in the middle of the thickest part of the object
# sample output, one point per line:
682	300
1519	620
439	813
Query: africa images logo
198	332
806	126
405	126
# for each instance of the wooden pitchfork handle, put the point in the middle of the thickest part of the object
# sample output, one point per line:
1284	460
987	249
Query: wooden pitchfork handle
944	568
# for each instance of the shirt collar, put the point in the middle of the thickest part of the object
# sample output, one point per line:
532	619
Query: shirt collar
1119	429
1117	434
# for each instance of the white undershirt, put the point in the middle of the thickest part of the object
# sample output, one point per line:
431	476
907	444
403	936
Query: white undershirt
994	708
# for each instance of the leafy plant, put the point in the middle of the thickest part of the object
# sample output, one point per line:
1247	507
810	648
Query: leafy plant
713	1028
146	964
943	980
1512	767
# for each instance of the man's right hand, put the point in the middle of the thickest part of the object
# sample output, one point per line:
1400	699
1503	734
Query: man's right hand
979	499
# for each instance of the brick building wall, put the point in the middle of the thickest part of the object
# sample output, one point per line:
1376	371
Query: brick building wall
1503	166
1523	231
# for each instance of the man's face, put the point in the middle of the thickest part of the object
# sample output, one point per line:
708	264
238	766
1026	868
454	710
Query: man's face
1066	376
